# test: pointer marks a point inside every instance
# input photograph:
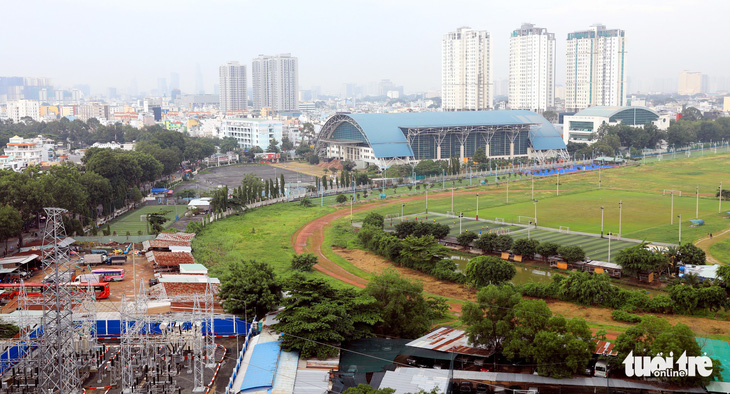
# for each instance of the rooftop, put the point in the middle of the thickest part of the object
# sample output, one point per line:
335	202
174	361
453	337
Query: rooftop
170	258
447	339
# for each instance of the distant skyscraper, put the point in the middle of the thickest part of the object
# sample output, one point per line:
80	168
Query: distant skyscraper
466	70
233	94
531	69
174	81
199	87
275	81
595	68
691	82
162	86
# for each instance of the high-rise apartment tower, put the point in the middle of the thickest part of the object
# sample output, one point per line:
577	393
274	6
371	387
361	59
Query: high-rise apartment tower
531	69
233	94
595	68
466	70
276	82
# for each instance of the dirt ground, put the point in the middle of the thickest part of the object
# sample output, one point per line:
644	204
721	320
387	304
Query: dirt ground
304	168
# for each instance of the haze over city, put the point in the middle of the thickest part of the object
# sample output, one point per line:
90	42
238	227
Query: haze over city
107	44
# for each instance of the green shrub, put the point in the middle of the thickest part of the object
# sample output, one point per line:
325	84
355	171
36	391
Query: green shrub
621	315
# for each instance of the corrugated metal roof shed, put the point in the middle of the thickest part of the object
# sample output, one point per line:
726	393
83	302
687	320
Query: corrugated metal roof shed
168	278
198	269
18	260
576	381
312	382
447	339
605	348
170	258
411	380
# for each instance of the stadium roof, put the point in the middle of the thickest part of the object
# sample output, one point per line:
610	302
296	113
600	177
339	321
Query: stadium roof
607	112
384	132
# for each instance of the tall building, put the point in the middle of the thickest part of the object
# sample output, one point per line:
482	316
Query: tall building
531	69
466	70
252	132
275	82
691	83
233	94
595	72
19	109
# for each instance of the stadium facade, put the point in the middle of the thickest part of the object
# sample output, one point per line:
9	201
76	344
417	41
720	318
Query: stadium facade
391	138
583	126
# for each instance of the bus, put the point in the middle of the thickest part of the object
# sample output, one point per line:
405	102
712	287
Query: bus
110	274
11	290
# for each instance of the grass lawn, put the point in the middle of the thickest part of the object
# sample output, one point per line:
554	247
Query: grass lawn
263	234
721	251
131	221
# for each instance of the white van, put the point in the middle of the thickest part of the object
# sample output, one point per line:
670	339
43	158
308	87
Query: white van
601	369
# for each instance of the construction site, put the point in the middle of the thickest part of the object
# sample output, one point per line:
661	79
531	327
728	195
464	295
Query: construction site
82	330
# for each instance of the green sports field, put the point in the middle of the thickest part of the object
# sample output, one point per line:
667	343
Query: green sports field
647	210
131	220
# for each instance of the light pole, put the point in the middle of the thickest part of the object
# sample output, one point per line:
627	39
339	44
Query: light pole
452	200
557	185
477	206
535	202
719	208
671	215
609	247
507	190
620	210
680	229
601	221
352	200
443	179
697	204
533	185
599	176
461	215
402	206
426	199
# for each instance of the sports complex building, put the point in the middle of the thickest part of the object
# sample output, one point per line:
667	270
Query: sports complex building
392	138
582	126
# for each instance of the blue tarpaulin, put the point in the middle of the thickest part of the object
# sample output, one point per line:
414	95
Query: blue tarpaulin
262	367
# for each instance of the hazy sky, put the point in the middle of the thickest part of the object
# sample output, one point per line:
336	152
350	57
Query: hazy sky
110	43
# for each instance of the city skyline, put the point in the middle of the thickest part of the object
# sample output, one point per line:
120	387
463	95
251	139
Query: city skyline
335	50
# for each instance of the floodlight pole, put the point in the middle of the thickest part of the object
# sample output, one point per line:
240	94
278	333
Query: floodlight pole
620	211
697	204
461	215
535	202
557	184
533	185
426	199
507	190
599	176
609	247
402	207
671	215
352	200
601	221
443	179
719	208
477	216
680	229
452	199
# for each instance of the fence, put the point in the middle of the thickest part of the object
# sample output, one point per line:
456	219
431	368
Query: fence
119	239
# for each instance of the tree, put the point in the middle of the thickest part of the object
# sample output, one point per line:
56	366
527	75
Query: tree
490	319
530	317
286	143
503	243
723	272
318	317
547	250
571	254
374	220
486	242
303	262
465	239
273	146
691	114
341	198
480	156
404	310
421	253
638	259
228	144
525	247
11	223
489	270
348	165
157	220
653	336
365	389
691	254
569	341
250	287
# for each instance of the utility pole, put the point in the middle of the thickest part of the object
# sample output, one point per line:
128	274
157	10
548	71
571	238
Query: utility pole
697	204
477	206
557	185
426	199
719	208
680	229
620	210
452	200
533	185
601	221
671	215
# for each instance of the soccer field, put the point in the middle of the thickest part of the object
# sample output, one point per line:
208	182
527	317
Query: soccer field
647	211
131	220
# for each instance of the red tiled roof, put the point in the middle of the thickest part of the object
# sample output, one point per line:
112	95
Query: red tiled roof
605	348
163	244
170	258
175	237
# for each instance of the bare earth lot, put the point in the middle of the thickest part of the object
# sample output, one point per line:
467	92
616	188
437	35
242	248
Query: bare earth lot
231	176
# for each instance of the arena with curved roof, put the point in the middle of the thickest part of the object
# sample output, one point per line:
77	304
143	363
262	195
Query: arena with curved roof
385	139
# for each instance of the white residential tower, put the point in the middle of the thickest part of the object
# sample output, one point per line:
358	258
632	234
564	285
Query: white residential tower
595	71
276	82
466	70
531	69
233	94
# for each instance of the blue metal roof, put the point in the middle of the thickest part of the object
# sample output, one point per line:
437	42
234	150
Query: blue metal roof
262	367
385	135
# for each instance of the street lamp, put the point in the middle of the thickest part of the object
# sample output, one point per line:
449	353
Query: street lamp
402	206
461	215
452	199
609	246
671	215
426	198
601	221
535	202
352	200
697	204
719	208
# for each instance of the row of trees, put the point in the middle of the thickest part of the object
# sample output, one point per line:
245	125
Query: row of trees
525	330
318	317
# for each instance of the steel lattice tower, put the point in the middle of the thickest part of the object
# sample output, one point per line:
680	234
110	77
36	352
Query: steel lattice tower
57	364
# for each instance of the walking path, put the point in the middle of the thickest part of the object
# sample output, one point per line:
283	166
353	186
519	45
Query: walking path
705	242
